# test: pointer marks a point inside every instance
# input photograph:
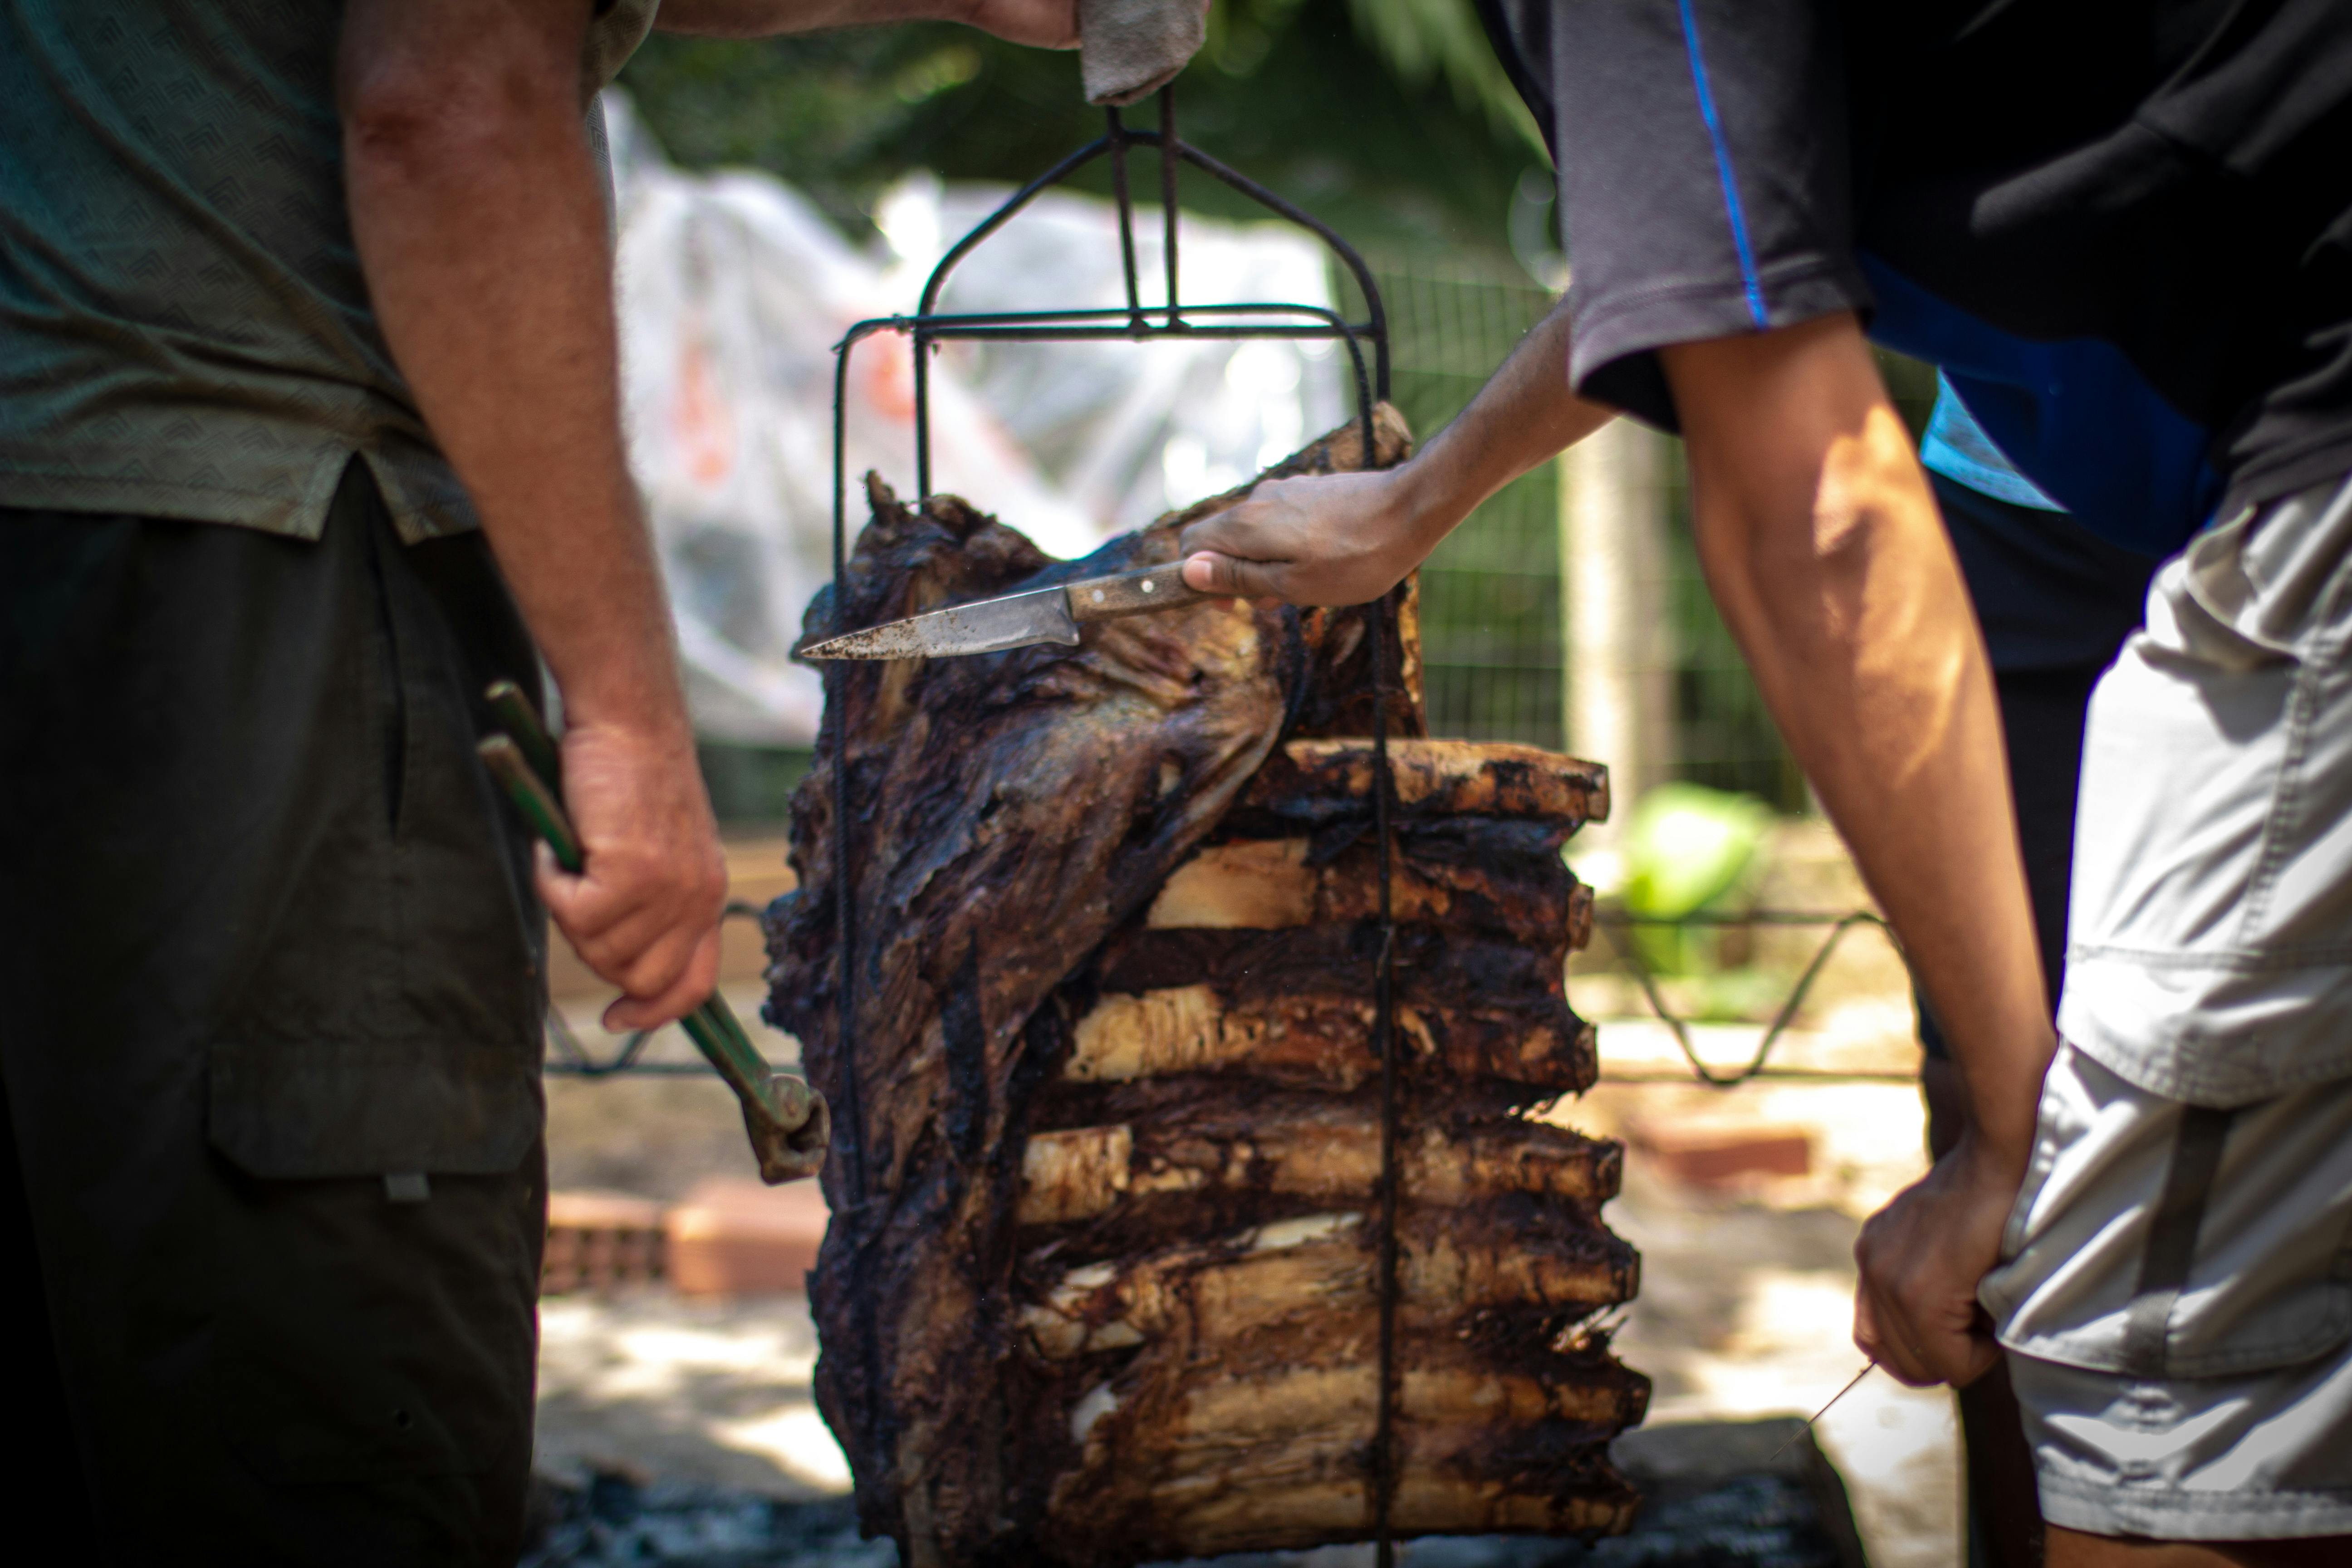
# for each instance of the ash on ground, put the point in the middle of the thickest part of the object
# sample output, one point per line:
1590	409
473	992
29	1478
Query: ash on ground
1720	1495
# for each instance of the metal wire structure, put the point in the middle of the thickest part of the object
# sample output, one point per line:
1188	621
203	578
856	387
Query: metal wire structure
1611	921
1135	321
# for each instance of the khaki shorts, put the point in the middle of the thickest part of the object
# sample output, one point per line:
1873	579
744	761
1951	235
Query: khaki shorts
2175	1290
2177	1304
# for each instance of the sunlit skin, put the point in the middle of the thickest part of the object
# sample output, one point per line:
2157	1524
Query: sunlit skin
480	221
1820	541
1045	24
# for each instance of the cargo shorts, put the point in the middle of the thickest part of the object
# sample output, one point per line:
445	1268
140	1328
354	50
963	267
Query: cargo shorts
274	977
2175	1293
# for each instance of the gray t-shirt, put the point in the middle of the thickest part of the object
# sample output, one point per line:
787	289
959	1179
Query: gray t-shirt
185	330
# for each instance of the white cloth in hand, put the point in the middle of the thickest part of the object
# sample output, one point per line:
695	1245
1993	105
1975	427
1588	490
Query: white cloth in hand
1130	48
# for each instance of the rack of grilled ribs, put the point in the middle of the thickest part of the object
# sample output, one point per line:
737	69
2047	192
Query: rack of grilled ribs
1100	1286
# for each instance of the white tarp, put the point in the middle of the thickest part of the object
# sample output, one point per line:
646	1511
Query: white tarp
734	290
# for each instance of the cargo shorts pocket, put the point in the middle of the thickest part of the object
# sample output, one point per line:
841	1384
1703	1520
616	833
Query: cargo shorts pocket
2161	1240
376	1256
356	1338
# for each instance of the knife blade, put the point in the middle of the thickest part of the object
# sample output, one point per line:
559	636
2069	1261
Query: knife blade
1017	620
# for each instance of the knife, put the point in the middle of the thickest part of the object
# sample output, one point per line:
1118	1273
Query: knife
1017	620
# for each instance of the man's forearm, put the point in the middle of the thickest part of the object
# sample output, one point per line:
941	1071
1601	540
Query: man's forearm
475	202
1525	415
1823	545
1343	538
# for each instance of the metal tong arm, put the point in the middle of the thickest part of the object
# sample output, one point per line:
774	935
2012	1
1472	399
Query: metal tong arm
787	1122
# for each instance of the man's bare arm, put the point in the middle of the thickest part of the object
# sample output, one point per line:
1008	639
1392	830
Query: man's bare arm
1047	23
1349	538
1822	543
476	205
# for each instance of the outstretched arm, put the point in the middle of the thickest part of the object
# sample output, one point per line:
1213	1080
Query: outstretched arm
1822	546
1349	538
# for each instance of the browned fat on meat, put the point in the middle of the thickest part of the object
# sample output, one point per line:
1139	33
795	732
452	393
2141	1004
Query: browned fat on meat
1109	1295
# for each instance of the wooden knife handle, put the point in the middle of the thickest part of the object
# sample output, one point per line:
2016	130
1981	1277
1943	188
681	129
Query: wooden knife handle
1132	592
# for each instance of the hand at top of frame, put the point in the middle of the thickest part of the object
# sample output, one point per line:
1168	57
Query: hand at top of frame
1333	539
1042	23
1921	1257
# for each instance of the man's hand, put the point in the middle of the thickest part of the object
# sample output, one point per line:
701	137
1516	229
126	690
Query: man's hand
644	911
1824	551
1915	1311
475	202
1338	539
1043	24
1347	539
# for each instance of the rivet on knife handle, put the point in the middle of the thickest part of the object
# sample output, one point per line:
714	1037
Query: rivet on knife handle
1132	592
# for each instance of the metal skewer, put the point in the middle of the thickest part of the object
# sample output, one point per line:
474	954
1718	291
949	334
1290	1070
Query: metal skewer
1807	1429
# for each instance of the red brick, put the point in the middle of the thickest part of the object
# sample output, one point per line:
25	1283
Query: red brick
736	1238
1718	1155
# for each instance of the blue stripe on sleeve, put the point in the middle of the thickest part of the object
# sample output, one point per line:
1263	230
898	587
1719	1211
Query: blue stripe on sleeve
1723	169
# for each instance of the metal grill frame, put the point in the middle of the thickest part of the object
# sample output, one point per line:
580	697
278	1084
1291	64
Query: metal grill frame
927	328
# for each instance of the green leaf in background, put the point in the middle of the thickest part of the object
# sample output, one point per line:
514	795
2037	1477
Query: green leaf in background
1425	38
1686	847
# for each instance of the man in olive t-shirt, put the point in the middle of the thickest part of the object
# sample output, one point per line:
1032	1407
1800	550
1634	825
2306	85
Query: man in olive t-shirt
309	428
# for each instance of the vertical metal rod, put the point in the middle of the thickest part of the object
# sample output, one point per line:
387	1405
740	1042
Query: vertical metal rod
844	913
837	704
1170	154
922	414
1384	1455
1117	139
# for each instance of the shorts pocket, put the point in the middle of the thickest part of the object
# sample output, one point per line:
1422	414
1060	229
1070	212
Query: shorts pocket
2177	1241
357	1339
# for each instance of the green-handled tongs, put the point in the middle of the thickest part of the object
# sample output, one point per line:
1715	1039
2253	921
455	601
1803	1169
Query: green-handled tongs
787	1121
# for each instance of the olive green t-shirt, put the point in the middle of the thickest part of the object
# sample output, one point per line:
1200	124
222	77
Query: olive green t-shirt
185	330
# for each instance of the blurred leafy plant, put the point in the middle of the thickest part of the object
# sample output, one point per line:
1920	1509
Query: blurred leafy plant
1391	119
1689	850
1424	40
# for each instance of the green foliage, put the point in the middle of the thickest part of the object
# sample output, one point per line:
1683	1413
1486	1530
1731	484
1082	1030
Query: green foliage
1422	39
1687	848
1389	119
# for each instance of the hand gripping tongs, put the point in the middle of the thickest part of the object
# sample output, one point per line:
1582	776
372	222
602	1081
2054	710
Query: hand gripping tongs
787	1121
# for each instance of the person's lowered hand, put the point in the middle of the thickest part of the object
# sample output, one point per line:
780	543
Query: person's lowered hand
1921	1257
1334	539
644	913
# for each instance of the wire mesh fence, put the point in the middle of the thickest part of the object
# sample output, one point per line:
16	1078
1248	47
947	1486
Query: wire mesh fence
1490	596
1492	631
